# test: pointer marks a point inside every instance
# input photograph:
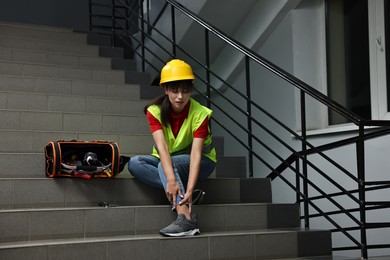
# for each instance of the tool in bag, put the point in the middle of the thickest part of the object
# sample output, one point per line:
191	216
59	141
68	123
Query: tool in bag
84	159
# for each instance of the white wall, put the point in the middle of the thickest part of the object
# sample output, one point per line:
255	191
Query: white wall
310	67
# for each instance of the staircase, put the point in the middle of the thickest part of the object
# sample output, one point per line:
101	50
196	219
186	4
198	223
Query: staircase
54	85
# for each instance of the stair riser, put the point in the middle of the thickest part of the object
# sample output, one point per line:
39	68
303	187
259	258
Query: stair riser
45	58
148	91
23	165
57	72
49	46
124	64
231	167
68	87
132	77
26	165
99	39
250	246
42	33
57	121
28	147
68	192
97	222
111	52
35	141
66	103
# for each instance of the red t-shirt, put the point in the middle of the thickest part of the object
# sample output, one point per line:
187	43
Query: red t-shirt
177	121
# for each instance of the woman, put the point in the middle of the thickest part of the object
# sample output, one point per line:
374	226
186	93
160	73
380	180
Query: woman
183	152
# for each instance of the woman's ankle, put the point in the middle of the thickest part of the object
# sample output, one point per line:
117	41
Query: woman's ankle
183	209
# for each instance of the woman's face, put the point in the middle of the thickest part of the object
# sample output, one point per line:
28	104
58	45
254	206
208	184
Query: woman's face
178	96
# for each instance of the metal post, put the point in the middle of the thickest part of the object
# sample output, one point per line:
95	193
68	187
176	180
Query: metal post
127	16
360	154
304	160
297	181
90	14
148	14
249	114
207	53
142	34
173	31
113	25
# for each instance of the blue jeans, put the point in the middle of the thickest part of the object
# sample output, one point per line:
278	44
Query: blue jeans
148	169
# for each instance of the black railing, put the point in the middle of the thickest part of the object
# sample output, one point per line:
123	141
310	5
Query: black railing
155	46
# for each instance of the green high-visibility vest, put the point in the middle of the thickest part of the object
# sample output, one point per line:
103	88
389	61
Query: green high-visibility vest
181	144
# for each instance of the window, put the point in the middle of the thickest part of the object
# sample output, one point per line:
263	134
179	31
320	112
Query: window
348	57
387	39
379	69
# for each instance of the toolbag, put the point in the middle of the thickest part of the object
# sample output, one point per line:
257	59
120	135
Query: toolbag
83	159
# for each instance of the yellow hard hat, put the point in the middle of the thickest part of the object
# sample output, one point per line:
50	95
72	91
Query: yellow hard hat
176	70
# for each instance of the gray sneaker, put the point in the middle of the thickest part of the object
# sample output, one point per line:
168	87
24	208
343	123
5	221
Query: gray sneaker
182	227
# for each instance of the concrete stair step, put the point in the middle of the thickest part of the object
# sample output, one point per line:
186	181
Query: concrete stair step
61	72
28	146
123	64
255	244
29	165
42	50
231	167
121	58
70	103
104	40
150	92
98	39
48	46
33	141
111	52
14	48
28	141
39	224
42	192
68	87
52	58
135	77
37	32
70	121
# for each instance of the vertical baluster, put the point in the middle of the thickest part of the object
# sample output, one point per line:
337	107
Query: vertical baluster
249	114
304	160
360	154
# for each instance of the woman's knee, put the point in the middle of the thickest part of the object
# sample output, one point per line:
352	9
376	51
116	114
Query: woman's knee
143	168
142	164
133	165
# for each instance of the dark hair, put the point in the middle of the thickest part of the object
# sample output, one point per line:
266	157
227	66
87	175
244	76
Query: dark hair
163	100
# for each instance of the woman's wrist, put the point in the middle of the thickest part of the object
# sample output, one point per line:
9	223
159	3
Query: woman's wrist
190	189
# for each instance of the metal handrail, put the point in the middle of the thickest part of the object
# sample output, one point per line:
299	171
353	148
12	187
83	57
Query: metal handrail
270	66
296	157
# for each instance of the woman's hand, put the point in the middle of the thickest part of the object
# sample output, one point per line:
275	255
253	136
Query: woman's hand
173	189
187	198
